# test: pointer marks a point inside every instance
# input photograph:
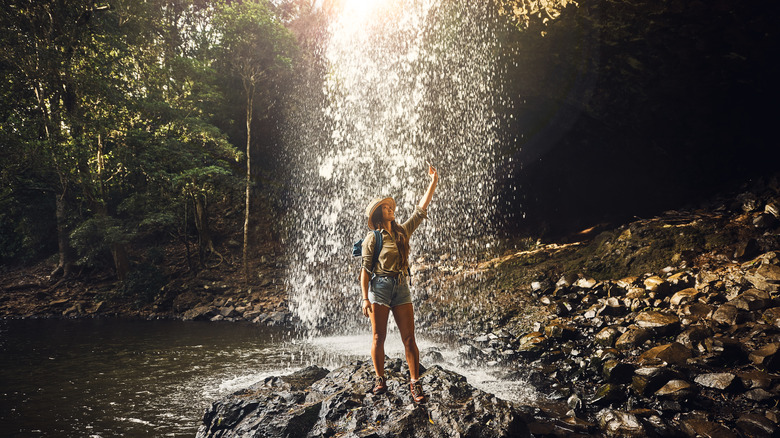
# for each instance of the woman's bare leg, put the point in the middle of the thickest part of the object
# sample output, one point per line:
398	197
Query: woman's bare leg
379	316
404	319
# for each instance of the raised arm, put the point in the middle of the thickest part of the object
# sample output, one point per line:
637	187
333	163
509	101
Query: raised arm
426	199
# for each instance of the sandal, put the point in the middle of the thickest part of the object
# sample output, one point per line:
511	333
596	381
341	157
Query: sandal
417	392
380	385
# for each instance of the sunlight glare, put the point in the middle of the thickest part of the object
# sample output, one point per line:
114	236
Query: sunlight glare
359	7
356	11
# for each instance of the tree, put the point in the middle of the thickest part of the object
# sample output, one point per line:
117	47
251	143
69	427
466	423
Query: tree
254	47
41	41
110	113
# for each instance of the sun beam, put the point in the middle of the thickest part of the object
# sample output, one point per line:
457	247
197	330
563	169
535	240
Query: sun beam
360	10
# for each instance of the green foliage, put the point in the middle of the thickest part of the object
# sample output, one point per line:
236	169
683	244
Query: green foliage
26	225
94	237
122	110
143	283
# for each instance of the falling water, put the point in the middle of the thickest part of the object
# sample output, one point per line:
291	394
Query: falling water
405	82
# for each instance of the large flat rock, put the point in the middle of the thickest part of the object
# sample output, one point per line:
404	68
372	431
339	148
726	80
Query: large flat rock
316	403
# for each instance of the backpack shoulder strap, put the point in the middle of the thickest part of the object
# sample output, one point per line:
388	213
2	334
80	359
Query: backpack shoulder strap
377	248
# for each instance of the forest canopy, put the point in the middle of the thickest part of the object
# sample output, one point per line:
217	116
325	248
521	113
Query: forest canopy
121	123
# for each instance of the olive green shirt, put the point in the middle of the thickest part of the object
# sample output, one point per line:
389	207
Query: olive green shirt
389	261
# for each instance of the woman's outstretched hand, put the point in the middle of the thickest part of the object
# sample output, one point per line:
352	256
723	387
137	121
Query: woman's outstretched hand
426	199
433	173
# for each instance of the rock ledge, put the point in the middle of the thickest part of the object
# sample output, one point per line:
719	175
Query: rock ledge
314	402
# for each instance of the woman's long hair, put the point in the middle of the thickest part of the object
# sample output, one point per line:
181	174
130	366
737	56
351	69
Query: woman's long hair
399	234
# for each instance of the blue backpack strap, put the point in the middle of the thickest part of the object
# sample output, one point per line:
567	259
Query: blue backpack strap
377	248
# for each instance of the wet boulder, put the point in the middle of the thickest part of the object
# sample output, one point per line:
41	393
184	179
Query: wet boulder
636	293
613	307
756	379
719	381
250	315
767	357
706	279
766	278
752	299
761	395
566	280
559	330
773	208
673	353
532	344
728	314
659	322
432	356
772	316
648	380
722	351
693	335
632	338
339	403
756	426
550	426
676	390
694	312
620	423
606	337
696	426
200	313
655	425
764	221
746	249
559	308
681	280
229	312
658	285
684	296
627	282
585	283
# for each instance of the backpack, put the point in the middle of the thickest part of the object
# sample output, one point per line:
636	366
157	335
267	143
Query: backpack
357	251
357	248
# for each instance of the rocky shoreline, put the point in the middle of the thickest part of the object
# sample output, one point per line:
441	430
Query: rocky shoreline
691	353
218	294
686	354
686	345
663	327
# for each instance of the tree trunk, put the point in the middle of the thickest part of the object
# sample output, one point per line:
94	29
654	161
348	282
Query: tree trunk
121	260
118	250
185	238
205	243
65	252
249	97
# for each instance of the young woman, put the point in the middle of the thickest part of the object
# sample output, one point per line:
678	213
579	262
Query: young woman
390	283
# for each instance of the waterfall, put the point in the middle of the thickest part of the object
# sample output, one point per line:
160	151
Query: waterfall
405	82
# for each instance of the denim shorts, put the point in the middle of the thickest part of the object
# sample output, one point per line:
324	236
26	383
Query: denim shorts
390	291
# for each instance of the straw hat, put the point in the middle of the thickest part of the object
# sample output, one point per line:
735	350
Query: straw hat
374	204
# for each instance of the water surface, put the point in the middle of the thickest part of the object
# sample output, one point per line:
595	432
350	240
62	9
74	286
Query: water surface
130	378
102	378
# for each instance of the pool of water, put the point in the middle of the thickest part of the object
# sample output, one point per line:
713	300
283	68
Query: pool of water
107	377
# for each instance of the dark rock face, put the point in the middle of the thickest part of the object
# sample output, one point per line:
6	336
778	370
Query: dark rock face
658	76
317	403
